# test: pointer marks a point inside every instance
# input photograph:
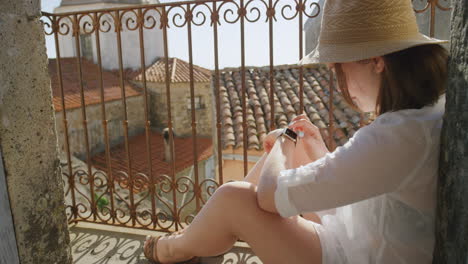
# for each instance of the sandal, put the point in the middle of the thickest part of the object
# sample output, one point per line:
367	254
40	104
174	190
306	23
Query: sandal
152	243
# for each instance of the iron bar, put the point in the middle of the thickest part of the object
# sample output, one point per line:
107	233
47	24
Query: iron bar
110	181
432	26
164	25
130	180
301	55
71	176
242	12
196	187
141	22
271	15
76	33
215	17
331	127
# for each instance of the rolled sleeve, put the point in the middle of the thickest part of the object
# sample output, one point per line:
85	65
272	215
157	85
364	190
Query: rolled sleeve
283	205
286	180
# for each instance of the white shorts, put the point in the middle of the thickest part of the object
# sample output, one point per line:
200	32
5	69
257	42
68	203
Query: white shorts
332	250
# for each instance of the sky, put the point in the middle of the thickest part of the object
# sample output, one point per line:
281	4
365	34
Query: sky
286	41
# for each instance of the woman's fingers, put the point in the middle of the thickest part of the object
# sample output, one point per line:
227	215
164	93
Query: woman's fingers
313	144
300	117
304	125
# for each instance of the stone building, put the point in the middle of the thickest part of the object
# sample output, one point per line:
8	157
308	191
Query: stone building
181	106
92	109
114	139
109	50
102	144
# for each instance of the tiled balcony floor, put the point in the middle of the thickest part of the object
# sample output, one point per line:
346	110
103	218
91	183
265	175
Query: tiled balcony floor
101	244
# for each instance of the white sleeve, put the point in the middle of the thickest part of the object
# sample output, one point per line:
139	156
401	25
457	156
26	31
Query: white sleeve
375	161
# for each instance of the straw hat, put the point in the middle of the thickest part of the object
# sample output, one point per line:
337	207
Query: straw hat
354	30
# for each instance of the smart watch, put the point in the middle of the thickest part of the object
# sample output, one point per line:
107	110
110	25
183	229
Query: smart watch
290	134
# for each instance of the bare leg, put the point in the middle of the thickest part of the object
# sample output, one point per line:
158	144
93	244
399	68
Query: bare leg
233	213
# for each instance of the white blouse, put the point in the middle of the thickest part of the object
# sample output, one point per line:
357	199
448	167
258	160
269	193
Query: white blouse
382	183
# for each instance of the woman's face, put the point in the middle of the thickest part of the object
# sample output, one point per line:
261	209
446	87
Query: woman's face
363	79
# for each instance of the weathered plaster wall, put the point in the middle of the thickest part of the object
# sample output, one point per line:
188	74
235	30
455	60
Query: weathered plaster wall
452	208
28	138
114	116
181	114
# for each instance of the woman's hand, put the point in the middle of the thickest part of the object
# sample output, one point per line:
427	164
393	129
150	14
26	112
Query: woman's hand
270	139
312	141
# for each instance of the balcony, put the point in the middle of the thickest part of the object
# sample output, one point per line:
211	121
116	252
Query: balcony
146	138
93	243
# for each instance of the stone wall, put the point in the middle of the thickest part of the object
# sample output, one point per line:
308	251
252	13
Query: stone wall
452	190
28	137
181	114
96	135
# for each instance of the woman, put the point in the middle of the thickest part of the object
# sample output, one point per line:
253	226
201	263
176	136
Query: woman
381	184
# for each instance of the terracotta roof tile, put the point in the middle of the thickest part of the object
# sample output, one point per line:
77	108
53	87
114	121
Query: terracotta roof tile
286	102
91	86
138	153
179	71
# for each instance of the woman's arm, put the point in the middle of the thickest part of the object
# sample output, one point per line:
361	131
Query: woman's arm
284	154
276	161
380	158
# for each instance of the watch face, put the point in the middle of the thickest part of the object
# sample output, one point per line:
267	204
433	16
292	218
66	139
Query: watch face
290	133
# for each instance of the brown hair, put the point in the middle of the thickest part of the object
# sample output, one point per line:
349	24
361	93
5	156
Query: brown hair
413	78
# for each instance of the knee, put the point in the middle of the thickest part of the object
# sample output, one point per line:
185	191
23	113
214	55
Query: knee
237	192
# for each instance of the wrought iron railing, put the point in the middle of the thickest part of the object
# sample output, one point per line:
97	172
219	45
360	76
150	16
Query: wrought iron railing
145	199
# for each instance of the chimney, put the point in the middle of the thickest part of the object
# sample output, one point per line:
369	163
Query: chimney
167	146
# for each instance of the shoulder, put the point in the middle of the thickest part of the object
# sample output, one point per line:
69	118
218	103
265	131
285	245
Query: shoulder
412	123
392	128
410	130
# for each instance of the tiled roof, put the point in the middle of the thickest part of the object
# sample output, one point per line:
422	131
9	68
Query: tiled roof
178	69
71	84
139	158
286	100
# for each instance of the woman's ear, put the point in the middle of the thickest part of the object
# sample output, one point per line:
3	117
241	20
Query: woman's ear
379	64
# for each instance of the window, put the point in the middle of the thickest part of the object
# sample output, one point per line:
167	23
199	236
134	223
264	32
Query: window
86	46
198	103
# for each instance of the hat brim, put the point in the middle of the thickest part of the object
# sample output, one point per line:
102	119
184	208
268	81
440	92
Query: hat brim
359	51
